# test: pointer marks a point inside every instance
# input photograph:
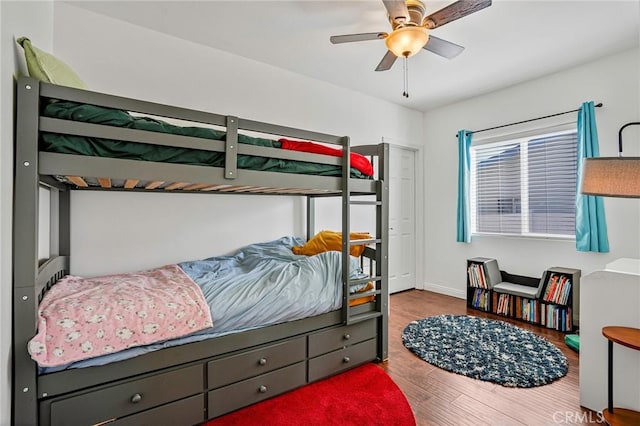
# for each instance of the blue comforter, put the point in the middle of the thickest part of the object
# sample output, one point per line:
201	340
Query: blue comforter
260	285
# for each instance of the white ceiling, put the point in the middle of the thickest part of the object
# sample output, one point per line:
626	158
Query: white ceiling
507	43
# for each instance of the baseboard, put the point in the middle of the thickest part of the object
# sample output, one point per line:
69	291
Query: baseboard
436	288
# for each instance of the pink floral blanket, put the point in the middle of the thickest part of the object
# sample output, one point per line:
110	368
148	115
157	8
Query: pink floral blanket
81	318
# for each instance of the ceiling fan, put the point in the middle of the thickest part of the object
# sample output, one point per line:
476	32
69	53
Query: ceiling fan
411	30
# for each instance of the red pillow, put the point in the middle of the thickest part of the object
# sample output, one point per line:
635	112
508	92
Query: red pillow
358	161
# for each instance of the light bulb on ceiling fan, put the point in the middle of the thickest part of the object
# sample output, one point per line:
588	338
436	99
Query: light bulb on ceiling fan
407	41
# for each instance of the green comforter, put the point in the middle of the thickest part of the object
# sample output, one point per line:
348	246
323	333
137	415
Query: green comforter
67	144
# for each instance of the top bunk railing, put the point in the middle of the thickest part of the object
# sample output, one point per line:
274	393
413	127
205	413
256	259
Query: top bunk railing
92	172
63	93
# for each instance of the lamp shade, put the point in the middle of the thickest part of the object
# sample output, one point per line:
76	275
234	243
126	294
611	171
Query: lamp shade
407	41
611	176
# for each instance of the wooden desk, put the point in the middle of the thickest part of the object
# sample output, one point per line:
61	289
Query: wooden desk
629	337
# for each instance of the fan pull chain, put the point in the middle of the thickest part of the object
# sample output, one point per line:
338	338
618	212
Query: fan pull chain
405	68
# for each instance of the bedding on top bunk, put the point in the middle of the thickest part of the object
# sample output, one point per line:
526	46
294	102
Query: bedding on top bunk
69	144
260	285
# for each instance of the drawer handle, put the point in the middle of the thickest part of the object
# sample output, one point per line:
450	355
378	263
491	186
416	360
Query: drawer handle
262	389
347	336
136	398
262	361
346	359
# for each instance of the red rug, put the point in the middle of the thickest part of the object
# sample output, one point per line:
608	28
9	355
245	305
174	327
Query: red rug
365	395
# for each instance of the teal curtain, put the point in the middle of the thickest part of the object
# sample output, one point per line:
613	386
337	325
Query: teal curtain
591	224
464	167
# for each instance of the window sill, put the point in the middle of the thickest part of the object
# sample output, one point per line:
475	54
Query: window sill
524	237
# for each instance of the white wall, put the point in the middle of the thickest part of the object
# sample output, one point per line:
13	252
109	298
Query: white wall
611	80
143	231
35	20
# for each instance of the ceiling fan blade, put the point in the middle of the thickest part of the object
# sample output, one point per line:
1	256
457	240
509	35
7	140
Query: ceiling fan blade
454	11
349	38
397	10
387	61
443	47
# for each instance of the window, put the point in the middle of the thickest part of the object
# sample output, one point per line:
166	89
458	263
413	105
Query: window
525	186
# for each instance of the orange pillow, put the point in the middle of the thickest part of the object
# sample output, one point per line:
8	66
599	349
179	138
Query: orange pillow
330	241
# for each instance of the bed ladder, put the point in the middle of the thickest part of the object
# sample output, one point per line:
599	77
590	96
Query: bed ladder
354	314
378	258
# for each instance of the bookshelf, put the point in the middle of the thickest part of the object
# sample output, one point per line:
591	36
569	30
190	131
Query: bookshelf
551	301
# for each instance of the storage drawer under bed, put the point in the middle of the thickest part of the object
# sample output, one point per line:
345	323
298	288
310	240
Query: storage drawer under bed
189	411
246	392
234	368
126	398
342	359
336	338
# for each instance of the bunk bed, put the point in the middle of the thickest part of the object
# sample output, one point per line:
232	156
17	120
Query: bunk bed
193	382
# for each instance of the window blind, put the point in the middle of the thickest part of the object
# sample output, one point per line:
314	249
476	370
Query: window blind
525	187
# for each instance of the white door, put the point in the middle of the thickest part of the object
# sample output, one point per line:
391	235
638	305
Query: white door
402	219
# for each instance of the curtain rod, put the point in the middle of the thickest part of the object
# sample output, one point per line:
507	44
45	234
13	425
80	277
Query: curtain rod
598	105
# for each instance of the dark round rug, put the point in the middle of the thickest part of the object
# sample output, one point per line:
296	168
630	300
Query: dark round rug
485	349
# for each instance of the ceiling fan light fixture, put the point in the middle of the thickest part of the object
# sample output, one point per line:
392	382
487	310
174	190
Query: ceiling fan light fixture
407	41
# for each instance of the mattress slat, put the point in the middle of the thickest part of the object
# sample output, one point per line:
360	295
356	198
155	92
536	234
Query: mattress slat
177	185
155	184
214	187
196	186
235	188
131	183
78	181
257	189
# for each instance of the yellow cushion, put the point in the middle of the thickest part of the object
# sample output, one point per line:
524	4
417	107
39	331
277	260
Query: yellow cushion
45	67
330	241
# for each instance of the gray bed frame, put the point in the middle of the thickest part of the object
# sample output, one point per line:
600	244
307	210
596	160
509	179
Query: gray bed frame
195	382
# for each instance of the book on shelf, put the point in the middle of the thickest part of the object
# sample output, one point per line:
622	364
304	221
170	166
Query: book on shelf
483	272
476	275
503	306
558	289
556	317
480	299
527	309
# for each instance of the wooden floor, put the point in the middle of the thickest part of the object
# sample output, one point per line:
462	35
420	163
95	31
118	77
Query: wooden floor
439	397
